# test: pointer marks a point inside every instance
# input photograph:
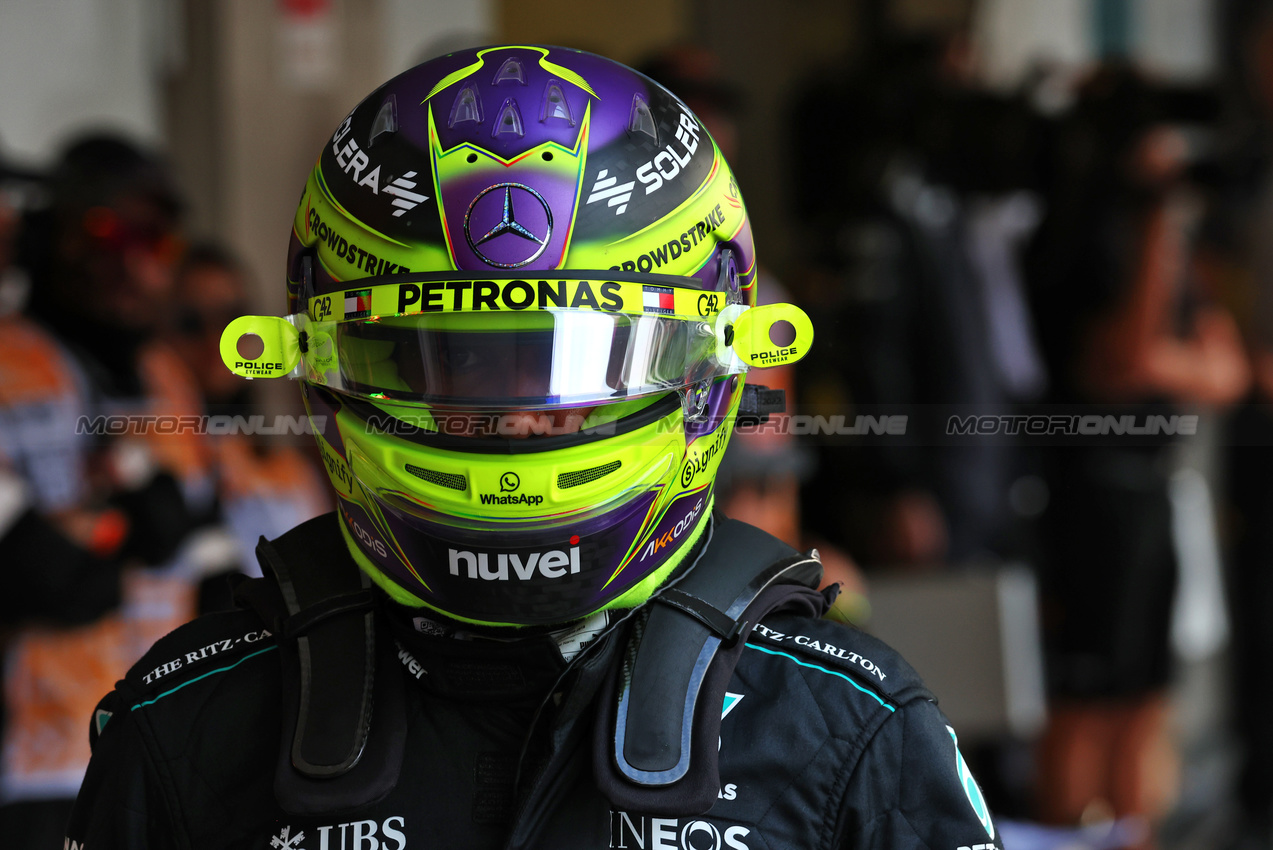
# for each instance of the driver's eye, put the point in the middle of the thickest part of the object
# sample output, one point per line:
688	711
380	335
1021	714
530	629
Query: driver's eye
465	358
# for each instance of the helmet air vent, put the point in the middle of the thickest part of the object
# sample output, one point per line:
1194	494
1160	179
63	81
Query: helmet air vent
442	479
467	107
586	476
555	105
642	119
386	120
510	70
509	122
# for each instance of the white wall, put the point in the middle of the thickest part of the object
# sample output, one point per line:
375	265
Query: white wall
414	27
1174	38
1013	34
69	64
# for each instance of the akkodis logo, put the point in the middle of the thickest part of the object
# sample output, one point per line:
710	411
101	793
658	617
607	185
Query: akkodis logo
673	533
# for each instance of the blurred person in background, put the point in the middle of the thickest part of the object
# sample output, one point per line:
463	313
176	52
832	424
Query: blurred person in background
95	517
38	518
18	190
760	476
1249	436
915	242
264	485
1127	328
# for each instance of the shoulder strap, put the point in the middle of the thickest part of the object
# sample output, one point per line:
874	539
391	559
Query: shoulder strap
656	748
320	606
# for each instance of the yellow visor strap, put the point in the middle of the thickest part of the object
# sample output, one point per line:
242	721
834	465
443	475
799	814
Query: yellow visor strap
471	295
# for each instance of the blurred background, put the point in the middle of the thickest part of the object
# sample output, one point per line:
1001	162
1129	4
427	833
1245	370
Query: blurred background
1033	441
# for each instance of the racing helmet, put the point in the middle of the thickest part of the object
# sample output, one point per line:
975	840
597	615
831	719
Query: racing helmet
521	308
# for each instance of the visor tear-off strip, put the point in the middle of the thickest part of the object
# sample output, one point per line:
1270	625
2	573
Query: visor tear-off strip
605	291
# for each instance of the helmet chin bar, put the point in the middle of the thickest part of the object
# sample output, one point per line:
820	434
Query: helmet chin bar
429	543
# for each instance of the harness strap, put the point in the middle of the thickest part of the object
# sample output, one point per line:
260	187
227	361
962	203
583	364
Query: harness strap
718	622
320	612
321	607
656	747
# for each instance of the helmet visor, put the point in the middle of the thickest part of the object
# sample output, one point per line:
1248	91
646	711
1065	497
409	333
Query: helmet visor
528	360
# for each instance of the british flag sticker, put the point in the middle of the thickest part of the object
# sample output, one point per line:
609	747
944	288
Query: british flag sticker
659	299
357	304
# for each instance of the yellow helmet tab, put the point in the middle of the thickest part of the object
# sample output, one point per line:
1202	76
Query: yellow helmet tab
261	347
754	335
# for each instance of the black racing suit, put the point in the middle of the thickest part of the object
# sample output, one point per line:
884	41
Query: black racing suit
816	750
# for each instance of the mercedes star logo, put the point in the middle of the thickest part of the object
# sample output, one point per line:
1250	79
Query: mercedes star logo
509	251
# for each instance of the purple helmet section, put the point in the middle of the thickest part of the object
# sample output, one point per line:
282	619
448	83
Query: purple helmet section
609	87
524	216
719	396
501	210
